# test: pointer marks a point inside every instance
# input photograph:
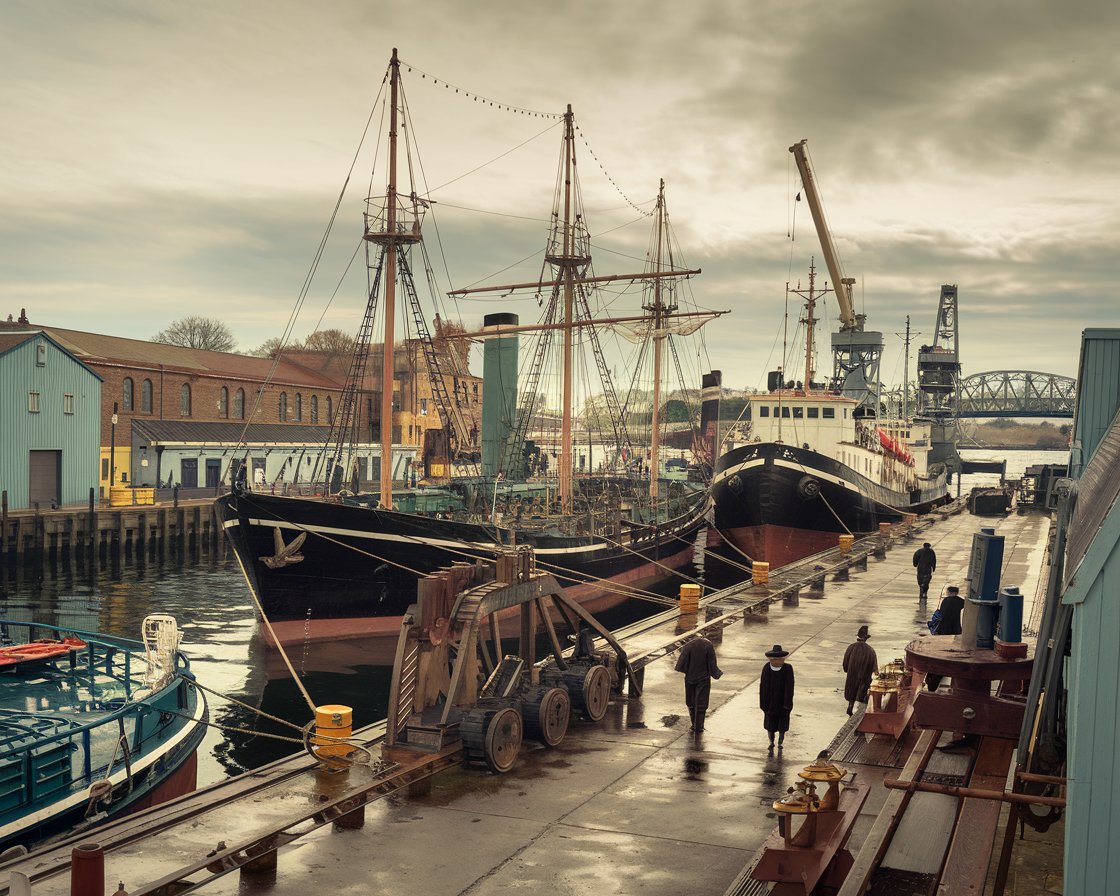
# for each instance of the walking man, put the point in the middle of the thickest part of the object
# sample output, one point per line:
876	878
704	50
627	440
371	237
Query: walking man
775	694
925	562
698	663
860	663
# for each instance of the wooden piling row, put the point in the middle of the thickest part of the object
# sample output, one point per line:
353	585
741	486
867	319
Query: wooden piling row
119	534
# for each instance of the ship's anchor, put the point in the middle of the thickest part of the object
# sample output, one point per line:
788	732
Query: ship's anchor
286	554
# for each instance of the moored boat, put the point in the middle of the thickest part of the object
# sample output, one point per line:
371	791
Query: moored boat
103	727
822	460
317	566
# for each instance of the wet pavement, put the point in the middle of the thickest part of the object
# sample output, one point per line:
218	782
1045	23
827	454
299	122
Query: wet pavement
637	804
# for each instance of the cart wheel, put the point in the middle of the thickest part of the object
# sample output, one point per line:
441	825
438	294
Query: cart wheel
590	690
547	715
503	739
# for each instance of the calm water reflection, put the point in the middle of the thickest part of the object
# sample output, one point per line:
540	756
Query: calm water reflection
210	601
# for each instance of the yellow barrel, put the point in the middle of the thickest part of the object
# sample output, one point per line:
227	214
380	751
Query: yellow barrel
333	720
690	598
846	543
760	572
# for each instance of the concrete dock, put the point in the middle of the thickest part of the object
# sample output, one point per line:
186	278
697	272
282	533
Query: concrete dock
636	803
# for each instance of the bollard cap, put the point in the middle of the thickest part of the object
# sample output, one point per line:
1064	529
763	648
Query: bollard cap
1011	591
334	715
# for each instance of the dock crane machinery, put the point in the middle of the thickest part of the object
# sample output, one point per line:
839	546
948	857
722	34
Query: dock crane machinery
855	351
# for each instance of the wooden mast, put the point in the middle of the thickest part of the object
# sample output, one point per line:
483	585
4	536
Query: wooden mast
658	339
810	323
569	300
386	497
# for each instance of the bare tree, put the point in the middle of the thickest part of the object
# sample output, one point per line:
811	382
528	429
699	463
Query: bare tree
270	348
198	332
330	342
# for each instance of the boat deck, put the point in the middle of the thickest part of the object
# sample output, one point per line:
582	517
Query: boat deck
633	804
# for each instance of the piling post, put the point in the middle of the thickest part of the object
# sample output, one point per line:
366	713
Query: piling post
140	539
87	870
3	522
91	524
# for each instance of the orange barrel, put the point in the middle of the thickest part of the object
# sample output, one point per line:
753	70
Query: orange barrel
332	720
760	572
884	529
846	542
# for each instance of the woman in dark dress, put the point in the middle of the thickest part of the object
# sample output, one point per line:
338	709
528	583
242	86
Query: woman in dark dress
775	694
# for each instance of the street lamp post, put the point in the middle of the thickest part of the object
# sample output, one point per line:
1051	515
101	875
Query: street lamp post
112	451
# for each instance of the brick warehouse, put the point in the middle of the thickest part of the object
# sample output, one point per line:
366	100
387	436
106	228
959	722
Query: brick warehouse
184	415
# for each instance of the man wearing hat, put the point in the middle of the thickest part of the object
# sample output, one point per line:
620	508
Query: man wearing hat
698	663
925	562
860	663
775	694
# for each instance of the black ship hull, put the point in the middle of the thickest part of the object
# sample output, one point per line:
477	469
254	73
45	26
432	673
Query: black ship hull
356	568
777	503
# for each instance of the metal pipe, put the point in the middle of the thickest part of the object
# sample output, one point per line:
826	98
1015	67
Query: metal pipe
975	793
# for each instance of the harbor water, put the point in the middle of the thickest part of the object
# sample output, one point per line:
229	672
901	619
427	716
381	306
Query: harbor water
211	602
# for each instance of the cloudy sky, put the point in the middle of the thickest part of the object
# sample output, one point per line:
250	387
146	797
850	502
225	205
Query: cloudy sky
167	158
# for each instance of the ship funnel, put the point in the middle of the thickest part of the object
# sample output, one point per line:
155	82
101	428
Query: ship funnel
499	392
706	450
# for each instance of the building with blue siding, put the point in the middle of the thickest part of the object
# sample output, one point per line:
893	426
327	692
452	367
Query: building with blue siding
1092	589
50	419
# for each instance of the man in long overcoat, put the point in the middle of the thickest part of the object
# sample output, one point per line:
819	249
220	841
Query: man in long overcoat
698	663
925	562
775	694
860	663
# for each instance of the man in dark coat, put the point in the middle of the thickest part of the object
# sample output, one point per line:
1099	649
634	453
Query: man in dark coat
925	562
950	624
698	663
860	663
775	694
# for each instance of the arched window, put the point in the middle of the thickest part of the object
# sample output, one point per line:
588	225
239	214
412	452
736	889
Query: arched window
239	404
126	394
185	400
330	410
299	407
146	396
314	408
282	407
223	403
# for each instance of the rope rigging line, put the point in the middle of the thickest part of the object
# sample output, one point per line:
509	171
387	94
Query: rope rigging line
505	107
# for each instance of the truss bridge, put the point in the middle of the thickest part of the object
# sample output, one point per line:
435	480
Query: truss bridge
1016	393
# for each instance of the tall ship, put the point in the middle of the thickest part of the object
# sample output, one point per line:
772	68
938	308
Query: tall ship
817	460
348	562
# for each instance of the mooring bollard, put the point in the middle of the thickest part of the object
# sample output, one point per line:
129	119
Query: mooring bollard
689	599
333	721
87	870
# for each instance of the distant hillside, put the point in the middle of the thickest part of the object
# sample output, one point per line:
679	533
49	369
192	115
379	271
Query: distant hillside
1014	434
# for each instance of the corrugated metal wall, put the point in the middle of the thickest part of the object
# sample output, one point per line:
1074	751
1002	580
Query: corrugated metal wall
75	435
1098	393
1092	862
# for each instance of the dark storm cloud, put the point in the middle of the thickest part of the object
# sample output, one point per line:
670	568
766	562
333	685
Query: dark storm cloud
160	157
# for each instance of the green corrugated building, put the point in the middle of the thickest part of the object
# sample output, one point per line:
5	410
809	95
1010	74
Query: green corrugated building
1092	588
50	406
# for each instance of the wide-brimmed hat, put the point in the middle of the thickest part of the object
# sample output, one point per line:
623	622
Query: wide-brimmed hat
777	651
863	634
